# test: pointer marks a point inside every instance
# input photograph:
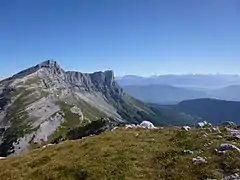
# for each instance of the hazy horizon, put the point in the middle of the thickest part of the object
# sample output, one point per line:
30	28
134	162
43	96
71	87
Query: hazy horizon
126	75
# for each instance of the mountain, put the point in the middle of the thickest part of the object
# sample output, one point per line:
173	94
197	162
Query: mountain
200	81
212	110
230	93
162	94
45	102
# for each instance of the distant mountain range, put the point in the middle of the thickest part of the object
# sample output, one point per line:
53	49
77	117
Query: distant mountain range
163	94
200	81
172	89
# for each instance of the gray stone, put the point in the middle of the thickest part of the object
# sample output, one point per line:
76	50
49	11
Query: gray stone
199	160
188	152
234	132
227	147
235	176
130	126
186	128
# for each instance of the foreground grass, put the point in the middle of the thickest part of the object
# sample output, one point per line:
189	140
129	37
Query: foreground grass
126	154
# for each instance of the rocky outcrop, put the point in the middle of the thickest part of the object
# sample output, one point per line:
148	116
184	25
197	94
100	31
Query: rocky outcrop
186	128
44	102
93	82
199	160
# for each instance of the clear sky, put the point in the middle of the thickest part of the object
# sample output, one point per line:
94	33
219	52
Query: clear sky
142	37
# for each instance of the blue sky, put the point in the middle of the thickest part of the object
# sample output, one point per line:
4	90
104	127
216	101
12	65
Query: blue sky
142	37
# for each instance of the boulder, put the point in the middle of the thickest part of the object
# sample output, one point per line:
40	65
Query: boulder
203	124
227	147
130	126
188	152
186	128
47	145
115	128
199	160
200	124
147	125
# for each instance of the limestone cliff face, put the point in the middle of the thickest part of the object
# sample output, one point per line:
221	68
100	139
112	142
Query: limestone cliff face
43	102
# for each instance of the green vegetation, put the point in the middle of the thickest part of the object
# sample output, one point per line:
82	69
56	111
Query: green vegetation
20	122
90	112
71	120
19	119
92	128
213	110
33	80
127	154
135	111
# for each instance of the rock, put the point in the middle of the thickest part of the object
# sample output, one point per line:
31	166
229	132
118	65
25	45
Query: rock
200	124
199	160
238	136
77	111
47	145
235	176
130	126
234	132
205	134
219	152
147	124
113	129
188	152
216	129
229	124
227	147
144	124
203	124
186	128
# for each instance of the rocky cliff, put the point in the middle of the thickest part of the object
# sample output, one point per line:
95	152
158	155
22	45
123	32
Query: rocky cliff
45	102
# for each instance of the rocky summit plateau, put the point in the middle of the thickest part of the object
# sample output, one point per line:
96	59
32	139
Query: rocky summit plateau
44	102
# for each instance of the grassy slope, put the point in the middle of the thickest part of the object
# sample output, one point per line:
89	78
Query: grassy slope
125	154
135	111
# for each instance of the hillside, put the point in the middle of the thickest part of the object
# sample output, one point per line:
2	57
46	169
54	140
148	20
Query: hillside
44	102
230	93
213	110
129	154
162	94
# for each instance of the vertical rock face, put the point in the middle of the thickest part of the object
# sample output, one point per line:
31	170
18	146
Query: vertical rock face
94	81
52	66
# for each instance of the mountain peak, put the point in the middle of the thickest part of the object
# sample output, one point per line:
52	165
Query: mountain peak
49	63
